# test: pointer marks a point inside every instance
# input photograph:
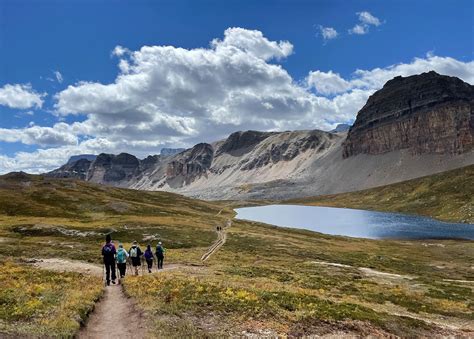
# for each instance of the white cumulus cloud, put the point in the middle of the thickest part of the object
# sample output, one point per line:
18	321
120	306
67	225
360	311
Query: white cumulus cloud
20	96
359	29
328	33
168	91
366	20
59	134
327	83
331	83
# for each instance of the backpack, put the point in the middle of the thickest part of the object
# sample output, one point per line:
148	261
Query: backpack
134	252
159	250
121	257
107	249
148	255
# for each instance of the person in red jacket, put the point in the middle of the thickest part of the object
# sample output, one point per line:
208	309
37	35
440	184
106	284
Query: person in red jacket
108	253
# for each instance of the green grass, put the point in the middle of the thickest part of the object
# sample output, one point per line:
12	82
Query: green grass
263	278
176	294
447	196
44	303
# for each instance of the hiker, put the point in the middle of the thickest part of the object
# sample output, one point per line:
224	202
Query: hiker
121	257
160	255
108	253
149	257
135	254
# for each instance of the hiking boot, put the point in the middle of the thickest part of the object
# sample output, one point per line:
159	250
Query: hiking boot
108	283
113	282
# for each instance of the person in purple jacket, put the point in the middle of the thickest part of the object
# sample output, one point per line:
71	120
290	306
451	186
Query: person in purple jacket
108	253
149	257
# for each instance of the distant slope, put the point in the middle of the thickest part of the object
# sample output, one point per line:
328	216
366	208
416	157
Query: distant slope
446	196
39	196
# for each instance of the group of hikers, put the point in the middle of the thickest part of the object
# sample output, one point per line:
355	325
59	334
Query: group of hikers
119	256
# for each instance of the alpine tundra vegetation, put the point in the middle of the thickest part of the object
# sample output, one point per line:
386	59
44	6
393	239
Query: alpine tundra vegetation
264	279
134	133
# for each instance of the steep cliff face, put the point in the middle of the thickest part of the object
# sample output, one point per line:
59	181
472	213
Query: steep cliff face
243	141
426	114
191	163
272	148
76	169
109	168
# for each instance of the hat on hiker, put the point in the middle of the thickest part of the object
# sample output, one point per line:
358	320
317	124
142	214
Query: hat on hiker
135	242
108	238
159	242
120	245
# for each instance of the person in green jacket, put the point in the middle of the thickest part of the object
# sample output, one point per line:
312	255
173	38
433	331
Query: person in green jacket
121	257
160	255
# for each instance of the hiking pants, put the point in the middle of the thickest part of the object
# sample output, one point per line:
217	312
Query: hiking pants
122	268
149	263
110	267
160	261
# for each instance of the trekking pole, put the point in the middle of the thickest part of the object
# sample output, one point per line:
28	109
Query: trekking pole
117	273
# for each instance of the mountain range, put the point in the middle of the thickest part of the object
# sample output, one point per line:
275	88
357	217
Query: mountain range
412	127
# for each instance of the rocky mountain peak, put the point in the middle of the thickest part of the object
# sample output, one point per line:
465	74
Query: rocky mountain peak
242	140
191	163
73	169
113	168
425	113
74	158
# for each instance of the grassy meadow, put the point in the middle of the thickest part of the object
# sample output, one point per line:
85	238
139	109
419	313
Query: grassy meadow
264	280
44	303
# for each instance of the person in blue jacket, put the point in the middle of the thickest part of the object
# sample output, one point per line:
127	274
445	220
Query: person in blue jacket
149	257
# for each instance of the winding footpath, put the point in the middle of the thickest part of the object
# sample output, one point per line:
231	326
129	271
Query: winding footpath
115	315
221	239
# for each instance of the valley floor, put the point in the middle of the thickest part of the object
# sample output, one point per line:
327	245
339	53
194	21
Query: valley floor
267	280
263	280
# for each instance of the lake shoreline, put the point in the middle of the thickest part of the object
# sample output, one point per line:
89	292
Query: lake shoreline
356	223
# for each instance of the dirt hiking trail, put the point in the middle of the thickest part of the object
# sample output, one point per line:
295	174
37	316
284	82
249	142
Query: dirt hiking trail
115	316
221	239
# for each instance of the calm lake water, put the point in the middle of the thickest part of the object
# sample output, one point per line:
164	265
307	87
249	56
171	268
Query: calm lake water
356	223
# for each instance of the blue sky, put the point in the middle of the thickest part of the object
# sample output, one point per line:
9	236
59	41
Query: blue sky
285	65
